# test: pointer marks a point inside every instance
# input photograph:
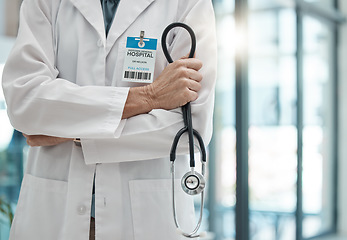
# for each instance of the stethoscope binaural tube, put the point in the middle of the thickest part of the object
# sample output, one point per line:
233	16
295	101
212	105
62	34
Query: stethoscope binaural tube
192	182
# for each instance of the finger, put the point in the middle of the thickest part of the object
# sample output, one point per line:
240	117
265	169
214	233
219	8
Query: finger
192	96
185	56
194	86
30	142
192	63
194	75
39	140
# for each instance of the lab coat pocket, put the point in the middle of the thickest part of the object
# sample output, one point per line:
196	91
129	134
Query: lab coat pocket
40	209
151	204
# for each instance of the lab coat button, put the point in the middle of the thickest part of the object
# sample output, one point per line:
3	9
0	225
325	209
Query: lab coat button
81	209
100	43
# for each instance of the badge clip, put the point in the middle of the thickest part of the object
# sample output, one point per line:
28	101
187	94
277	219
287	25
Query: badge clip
142	35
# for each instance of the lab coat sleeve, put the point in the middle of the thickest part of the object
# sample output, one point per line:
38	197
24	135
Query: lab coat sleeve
38	101
149	136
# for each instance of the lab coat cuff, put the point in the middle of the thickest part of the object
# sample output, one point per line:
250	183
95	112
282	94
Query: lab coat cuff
90	151
114	122
90	147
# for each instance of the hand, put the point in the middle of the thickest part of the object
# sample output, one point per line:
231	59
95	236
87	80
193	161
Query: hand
177	85
43	140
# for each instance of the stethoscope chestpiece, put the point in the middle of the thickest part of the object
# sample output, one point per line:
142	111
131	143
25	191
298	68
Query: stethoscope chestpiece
193	183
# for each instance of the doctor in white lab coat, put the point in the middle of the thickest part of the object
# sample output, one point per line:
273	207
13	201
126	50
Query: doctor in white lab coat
64	80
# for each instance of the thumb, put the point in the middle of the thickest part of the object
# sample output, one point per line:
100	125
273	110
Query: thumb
187	56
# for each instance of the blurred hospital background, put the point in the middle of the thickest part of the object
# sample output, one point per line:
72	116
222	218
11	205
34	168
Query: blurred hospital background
278	158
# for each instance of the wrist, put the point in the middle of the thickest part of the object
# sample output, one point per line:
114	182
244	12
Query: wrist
138	102
150	97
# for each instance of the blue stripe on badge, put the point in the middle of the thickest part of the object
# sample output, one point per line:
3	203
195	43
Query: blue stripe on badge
150	43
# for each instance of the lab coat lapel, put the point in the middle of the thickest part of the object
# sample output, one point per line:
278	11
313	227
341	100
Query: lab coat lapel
127	12
91	10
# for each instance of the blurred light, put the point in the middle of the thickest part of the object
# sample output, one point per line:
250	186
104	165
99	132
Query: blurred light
240	41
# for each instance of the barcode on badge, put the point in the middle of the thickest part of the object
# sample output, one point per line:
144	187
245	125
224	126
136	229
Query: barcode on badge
137	75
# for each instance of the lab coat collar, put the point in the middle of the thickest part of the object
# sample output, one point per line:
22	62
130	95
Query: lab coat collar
127	12
92	11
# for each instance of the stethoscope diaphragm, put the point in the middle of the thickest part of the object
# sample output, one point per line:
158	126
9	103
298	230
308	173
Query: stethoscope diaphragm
193	183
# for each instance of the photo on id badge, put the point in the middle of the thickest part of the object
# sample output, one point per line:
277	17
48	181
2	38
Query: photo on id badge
139	60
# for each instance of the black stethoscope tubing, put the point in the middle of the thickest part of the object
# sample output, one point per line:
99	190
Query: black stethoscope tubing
186	109
192	175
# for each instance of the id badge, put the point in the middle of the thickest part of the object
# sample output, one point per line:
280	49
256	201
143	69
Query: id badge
139	60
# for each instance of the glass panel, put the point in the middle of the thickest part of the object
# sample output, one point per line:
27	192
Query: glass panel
270	4
224	124
11	143
318	129
323	3
272	133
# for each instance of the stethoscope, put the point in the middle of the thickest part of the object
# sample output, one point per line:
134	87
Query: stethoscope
192	182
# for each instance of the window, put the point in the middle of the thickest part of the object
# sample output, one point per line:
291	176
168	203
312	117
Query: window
323	3
287	73
272	130
318	126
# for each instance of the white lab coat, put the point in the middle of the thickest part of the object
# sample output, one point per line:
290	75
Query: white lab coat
64	78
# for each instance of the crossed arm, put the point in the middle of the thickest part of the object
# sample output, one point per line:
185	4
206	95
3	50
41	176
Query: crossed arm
178	84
